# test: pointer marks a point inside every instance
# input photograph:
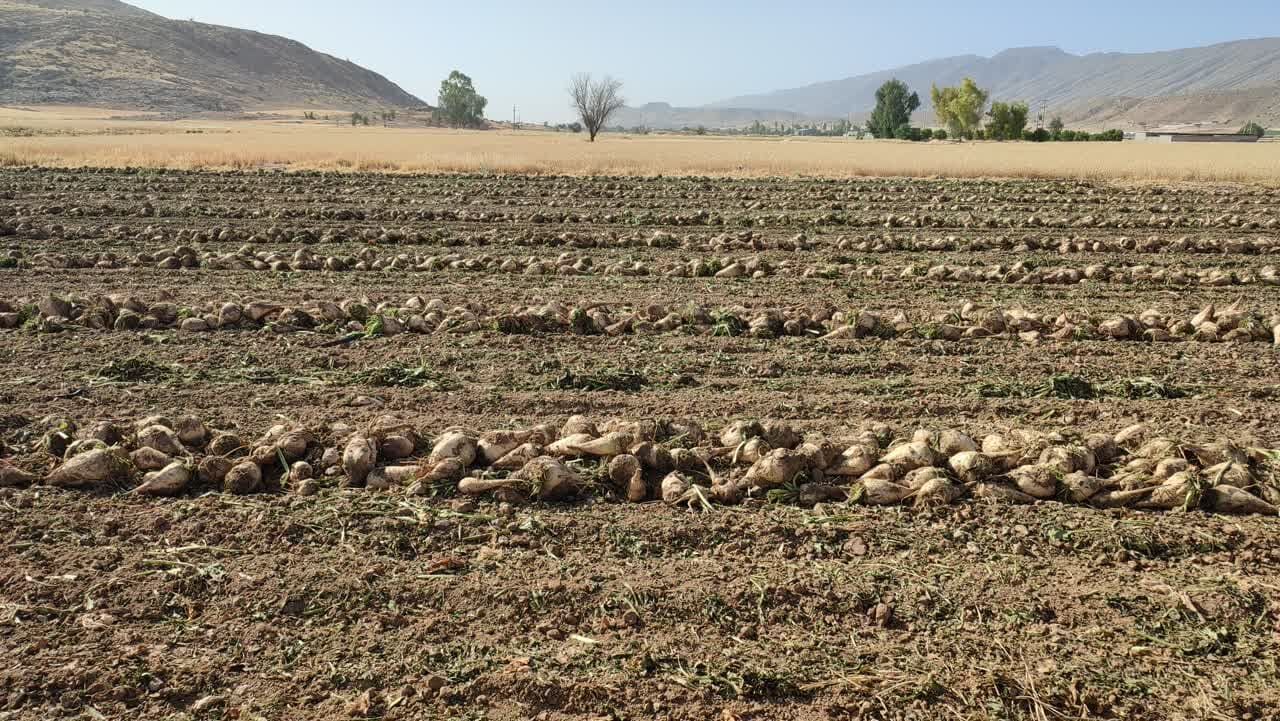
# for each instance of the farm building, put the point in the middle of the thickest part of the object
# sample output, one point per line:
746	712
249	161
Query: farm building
1175	137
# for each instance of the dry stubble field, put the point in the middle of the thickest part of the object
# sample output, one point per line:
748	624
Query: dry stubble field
318	366
70	137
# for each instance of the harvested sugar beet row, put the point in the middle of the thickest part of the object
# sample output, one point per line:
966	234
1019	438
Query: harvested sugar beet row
700	241
361	318
184	258
676	461
790	204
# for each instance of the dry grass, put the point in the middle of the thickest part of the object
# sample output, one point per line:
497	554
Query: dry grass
294	145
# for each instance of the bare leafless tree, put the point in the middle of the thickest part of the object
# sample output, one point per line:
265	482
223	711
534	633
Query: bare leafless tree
595	100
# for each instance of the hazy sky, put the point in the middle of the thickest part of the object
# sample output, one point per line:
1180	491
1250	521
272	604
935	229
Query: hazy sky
691	52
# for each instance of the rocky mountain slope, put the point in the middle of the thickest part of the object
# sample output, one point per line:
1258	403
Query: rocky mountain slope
108	53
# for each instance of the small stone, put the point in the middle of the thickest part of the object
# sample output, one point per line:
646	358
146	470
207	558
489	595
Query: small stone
882	615
205	702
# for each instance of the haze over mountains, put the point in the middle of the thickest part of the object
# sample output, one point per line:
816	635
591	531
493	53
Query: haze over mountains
1218	83
111	54
108	53
664	115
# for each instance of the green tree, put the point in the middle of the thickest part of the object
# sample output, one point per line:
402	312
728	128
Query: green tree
1252	128
894	104
1055	127
960	107
1008	120
460	105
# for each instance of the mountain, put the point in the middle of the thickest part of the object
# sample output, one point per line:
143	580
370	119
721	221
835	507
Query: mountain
108	53
664	116
1175	86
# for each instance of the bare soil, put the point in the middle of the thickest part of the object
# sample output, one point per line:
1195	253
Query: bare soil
362	604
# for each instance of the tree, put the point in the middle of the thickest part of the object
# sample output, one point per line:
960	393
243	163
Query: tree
460	105
960	107
894	105
1252	128
594	100
1055	127
1008	121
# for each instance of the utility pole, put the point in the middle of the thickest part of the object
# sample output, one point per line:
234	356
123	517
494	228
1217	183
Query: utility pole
1044	104
514	124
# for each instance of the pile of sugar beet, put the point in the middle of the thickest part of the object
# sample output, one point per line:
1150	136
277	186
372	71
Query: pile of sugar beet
678	462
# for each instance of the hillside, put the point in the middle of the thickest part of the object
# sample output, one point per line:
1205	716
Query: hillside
1177	86
108	53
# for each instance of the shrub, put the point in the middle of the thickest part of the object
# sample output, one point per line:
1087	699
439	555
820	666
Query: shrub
940	134
1252	128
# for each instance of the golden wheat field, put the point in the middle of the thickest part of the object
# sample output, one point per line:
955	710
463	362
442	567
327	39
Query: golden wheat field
75	137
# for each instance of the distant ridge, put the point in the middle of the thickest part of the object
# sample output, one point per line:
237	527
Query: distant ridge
666	116
1187	85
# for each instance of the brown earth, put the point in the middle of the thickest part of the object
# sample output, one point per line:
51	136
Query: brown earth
356	603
